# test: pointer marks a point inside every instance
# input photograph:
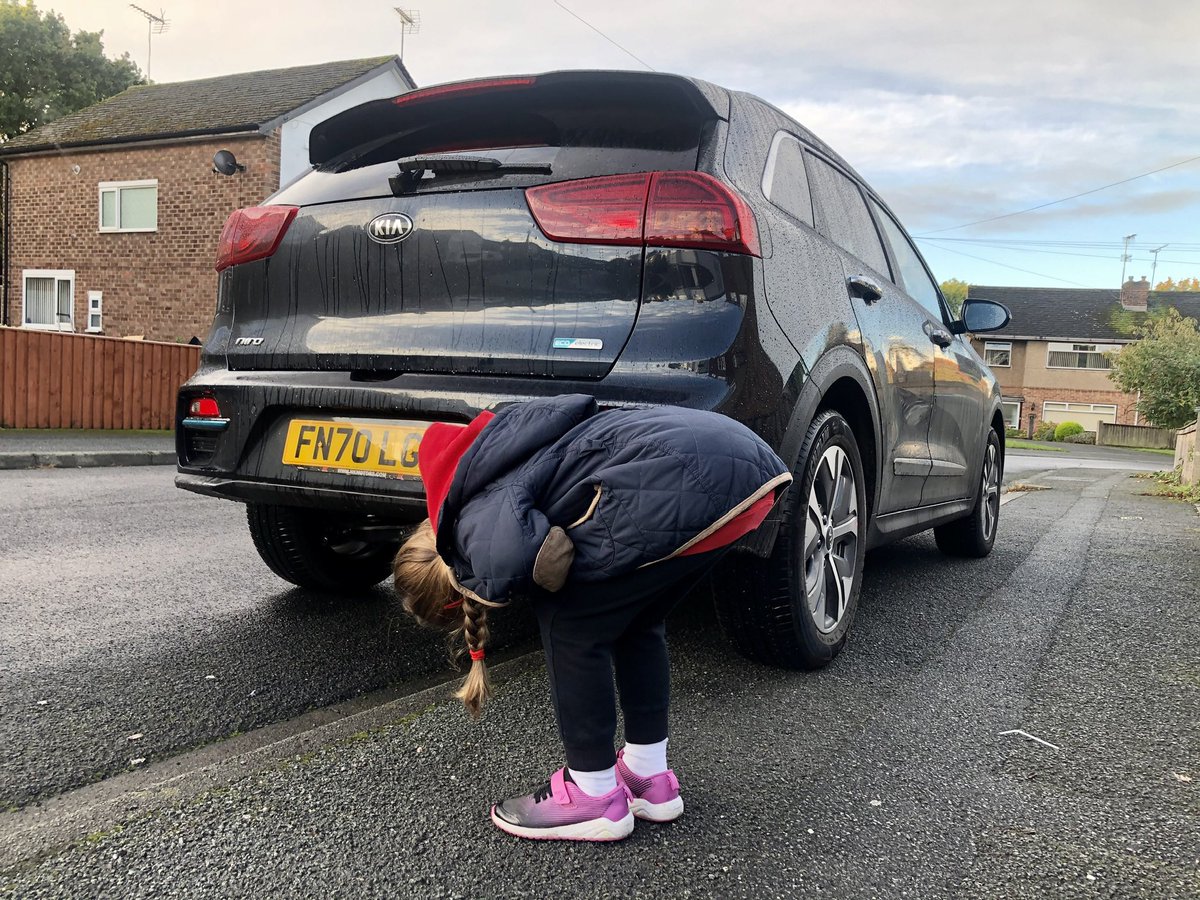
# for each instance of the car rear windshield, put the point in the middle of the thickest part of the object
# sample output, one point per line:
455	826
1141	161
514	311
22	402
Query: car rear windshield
662	119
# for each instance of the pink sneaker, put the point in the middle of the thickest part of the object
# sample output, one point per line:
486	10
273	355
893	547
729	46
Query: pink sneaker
655	798
560	811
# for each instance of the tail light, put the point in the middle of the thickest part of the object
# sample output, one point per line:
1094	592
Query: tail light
666	209
253	233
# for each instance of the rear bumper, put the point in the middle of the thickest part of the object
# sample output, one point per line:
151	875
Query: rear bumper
407	508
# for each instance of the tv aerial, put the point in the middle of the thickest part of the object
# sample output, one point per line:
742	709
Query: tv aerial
410	23
154	25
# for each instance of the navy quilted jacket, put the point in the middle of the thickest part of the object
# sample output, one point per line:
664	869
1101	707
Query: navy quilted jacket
552	491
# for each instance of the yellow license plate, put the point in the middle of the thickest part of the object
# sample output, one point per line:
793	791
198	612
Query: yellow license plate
374	448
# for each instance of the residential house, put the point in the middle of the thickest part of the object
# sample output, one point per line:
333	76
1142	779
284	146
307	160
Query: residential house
114	212
1053	359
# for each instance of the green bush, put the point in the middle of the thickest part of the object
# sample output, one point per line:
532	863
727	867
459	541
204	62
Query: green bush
1066	429
1085	437
1044	431
1014	433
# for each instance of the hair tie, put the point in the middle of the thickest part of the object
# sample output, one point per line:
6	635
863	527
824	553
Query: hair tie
454	605
477	656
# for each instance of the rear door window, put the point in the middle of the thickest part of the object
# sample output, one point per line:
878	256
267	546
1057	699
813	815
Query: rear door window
842	214
912	275
785	183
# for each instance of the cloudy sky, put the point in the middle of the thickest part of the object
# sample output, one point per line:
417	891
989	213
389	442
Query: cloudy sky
954	110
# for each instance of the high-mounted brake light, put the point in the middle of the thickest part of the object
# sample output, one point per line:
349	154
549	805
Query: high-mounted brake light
462	89
253	233
663	209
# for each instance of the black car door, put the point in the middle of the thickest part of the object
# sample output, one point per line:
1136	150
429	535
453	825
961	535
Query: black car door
956	419
891	332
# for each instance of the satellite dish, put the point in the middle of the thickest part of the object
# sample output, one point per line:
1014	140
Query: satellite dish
225	163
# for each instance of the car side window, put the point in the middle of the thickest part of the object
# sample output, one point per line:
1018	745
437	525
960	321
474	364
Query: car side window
844	217
785	183
912	276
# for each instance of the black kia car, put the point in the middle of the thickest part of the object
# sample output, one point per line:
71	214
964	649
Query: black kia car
644	238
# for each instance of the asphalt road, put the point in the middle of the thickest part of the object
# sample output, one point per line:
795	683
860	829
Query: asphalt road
885	775
130	607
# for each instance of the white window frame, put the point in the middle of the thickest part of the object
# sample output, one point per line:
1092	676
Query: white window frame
95	308
1004	404
1092	408
58	275
116	187
998	345
1075	347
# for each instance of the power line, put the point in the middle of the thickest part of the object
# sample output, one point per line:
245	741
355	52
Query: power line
1015	268
1021	212
605	36
1185	262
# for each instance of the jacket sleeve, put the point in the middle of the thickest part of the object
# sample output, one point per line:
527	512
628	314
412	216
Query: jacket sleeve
507	546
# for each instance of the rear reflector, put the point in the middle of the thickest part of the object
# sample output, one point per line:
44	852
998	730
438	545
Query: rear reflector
665	209
204	406
462	89
253	233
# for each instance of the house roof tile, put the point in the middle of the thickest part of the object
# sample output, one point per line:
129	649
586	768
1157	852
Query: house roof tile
1077	314
241	102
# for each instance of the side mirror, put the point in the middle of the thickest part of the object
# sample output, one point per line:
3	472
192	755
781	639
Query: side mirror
981	315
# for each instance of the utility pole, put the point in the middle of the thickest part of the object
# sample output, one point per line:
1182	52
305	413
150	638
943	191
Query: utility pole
1125	257
154	25
1154	267
410	23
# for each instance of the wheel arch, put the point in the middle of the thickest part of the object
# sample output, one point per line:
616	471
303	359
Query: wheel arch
839	381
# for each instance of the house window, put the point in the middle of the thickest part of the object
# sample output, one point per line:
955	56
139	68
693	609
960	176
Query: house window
129	205
95	300
997	353
1012	413
49	299
1080	356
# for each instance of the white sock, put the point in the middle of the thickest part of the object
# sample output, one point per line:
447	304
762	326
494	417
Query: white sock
595	784
646	759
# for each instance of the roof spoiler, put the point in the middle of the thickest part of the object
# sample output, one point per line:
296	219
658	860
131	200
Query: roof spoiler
409	113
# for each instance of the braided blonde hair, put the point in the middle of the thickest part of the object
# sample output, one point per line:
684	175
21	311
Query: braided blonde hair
432	596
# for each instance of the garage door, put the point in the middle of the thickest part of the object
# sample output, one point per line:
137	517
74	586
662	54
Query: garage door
1089	415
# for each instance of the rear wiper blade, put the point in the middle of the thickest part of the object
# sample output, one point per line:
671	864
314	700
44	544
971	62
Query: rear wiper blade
413	169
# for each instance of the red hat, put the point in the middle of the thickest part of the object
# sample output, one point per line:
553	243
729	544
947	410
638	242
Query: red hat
442	446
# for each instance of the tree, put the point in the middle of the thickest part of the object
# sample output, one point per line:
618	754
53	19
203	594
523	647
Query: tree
1183	284
955	292
1164	365
46	72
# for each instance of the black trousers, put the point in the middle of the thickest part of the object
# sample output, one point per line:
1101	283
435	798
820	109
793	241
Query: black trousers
591	630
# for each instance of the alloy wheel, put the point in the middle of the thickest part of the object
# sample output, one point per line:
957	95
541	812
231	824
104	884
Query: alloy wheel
990	491
831	539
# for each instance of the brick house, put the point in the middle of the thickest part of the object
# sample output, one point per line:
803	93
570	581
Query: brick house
1052	359
113	212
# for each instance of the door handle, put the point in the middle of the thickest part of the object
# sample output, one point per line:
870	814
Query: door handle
940	336
865	288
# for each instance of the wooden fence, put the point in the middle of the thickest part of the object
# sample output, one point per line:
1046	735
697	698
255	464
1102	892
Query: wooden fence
1135	436
59	380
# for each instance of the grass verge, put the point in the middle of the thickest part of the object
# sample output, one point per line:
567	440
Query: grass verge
1170	484
1014	444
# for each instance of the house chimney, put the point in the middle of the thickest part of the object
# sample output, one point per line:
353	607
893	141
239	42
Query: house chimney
1135	294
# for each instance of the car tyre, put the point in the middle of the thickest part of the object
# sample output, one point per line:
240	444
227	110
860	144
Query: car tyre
975	535
795	608
297	544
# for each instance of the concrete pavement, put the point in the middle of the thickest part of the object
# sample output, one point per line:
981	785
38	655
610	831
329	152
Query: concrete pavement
69	449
